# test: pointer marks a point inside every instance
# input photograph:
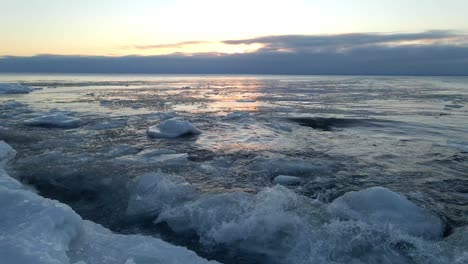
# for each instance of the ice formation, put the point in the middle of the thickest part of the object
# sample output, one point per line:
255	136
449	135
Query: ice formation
172	128
7	153
277	225
37	230
59	120
381	206
14	88
152	193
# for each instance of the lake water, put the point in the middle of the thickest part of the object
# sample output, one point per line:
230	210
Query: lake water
214	192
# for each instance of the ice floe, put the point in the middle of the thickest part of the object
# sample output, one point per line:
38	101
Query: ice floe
172	128
58	120
14	88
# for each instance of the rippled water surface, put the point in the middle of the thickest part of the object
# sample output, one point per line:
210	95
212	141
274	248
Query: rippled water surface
337	133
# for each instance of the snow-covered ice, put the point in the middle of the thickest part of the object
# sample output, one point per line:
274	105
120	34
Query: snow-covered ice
172	128
14	88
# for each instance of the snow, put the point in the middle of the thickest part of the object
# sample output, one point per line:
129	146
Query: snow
172	128
7	153
152	193
59	120
14	88
287	180
378	205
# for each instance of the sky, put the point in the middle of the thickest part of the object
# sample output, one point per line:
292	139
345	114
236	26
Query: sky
187	31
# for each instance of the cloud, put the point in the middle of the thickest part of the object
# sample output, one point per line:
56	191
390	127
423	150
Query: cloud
170	45
427	53
340	42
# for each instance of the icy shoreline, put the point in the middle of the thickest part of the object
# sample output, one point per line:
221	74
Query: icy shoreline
38	230
275	223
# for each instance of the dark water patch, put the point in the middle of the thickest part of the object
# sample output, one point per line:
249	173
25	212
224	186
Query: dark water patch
329	124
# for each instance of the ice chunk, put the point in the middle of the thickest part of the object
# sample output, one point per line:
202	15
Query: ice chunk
8	182
14	88
380	206
155	152
35	230
259	222
172	128
59	120
120	150
152	193
154	158
287	180
99	245
7	153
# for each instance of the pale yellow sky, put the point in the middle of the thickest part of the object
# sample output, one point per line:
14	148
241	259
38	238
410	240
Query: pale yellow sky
105	27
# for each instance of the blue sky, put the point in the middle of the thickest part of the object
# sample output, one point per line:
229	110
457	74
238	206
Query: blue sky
197	30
